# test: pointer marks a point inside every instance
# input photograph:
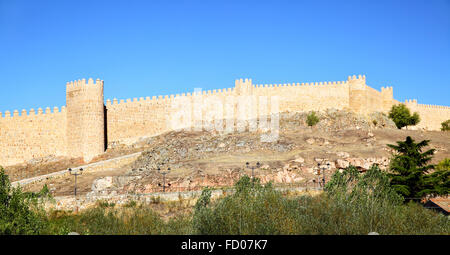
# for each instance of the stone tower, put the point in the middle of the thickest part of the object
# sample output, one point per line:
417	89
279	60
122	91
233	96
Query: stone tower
387	94
357	86
243	87
85	119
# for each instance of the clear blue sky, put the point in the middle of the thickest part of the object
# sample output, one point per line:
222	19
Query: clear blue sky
166	47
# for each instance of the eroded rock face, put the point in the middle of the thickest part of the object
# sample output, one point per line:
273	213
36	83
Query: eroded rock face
184	150
297	170
102	184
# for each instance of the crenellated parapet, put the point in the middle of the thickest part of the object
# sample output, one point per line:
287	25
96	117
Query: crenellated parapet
412	102
165	99
301	85
87	124
32	113
357	82
82	85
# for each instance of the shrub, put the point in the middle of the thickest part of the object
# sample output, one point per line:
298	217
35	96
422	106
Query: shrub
116	221
312	119
402	117
252	209
130	204
20	212
105	204
445	125
353	203
443	165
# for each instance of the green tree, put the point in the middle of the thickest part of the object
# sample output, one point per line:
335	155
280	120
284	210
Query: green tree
20	212
445	125
411	175
312	119
441	177
402	117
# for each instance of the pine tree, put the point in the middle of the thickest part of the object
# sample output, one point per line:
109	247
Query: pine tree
411	174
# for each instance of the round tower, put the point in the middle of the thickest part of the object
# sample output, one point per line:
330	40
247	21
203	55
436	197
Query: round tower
85	119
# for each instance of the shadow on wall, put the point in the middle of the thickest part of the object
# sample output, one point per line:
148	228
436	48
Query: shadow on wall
105	110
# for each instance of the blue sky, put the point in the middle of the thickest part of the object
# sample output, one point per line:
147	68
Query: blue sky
152	48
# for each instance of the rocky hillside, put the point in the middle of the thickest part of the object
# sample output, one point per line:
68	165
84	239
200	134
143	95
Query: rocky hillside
200	159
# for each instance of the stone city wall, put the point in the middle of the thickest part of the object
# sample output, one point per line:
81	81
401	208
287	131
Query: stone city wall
34	135
85	127
431	116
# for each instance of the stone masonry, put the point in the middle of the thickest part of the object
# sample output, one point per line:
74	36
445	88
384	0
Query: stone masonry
86	126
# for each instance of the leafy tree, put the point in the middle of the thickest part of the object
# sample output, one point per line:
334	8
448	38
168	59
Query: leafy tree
414	120
402	117
445	125
20	212
411	174
312	119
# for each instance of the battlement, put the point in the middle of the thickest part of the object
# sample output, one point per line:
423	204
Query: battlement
81	84
359	78
163	99
303	84
411	101
88	124
430	106
32	112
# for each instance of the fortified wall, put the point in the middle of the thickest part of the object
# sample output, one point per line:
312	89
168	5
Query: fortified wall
86	126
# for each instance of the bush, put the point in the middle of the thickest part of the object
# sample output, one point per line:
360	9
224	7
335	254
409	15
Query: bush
312	119
443	165
252	209
116	221
20	212
402	117
445	125
353	203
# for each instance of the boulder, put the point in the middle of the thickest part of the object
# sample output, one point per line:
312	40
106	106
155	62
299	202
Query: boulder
340	163
343	154
102	184
299	160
